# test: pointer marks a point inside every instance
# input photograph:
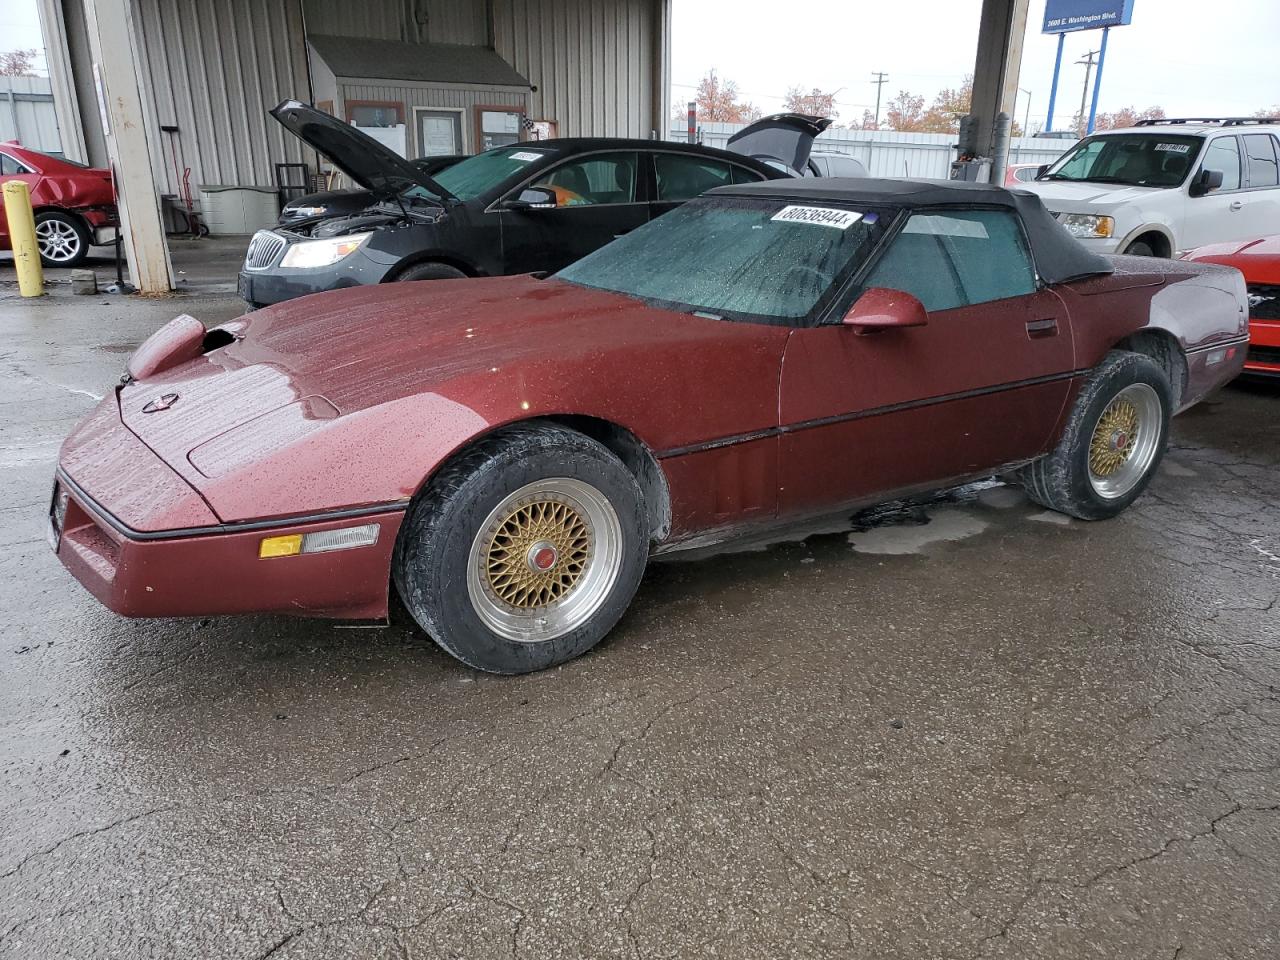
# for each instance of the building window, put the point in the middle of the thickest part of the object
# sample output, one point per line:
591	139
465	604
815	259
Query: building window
498	127
375	113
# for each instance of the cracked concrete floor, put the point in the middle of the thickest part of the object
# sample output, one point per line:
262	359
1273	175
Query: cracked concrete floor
1015	739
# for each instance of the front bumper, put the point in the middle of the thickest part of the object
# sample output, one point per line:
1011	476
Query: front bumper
1264	348
260	288
1100	244
217	570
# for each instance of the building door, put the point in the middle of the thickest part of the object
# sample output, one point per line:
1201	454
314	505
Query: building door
439	133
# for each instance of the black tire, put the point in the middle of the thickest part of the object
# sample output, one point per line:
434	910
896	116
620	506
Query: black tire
68	242
1140	248
431	271
1062	480
433	551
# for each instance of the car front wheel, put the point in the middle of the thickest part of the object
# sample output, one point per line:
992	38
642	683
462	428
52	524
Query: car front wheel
525	551
1112	444
61	238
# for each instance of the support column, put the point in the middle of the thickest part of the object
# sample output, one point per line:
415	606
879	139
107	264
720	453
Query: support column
113	44
65	106
995	72
660	60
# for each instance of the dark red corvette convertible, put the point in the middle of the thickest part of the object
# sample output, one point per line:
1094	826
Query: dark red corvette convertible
509	452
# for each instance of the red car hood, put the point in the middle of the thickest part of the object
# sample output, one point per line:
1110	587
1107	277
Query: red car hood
348	374
1258	260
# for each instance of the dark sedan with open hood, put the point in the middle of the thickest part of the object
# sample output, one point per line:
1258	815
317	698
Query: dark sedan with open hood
523	208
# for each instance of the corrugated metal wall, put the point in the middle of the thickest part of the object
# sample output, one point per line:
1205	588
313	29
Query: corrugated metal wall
591	60
27	113
214	67
409	21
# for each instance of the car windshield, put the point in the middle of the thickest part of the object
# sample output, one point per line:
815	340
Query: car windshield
469	178
768	261
1135	159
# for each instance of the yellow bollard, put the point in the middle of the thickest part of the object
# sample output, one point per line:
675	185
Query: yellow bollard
22	237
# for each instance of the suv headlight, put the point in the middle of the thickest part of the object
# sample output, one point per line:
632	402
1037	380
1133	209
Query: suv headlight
323	253
1085	225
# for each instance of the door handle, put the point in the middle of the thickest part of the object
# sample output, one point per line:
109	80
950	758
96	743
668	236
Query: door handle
1236	205
1048	327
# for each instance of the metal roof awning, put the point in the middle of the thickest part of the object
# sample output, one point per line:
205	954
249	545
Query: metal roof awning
367	58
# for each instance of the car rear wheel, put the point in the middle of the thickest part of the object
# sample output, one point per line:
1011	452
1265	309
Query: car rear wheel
1112	444
432	271
61	238
525	551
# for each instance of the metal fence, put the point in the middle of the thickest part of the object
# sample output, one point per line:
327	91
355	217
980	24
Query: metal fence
887	153
27	115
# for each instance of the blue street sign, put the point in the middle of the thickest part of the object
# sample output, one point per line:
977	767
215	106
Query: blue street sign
1064	16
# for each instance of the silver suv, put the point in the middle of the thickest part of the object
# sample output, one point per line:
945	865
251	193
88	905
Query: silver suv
1166	186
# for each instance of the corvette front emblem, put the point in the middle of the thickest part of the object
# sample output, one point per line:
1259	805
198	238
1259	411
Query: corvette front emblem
162	402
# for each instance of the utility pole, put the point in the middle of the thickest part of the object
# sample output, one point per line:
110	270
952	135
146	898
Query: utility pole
1087	63
879	81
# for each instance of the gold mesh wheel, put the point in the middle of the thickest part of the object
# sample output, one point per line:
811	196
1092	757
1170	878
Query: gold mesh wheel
1125	441
544	560
1114	437
537	554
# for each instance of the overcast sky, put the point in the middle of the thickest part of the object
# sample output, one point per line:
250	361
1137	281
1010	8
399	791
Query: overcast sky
1188	56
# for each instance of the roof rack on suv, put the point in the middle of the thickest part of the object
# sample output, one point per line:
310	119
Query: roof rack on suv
1223	121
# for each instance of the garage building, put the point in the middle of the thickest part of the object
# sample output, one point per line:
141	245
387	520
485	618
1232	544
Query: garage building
426	76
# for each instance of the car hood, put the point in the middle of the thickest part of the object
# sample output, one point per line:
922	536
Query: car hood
785	137
1258	260
1059	195
356	154
359	374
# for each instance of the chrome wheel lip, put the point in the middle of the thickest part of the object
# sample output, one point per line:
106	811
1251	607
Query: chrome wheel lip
587	595
57	240
1143	449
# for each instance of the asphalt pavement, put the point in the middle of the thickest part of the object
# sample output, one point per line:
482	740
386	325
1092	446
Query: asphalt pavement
967	728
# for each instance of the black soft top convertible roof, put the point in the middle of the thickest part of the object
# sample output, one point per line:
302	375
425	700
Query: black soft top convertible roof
1059	256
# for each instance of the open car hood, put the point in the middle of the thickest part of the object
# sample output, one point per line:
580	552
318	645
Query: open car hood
784	137
356	154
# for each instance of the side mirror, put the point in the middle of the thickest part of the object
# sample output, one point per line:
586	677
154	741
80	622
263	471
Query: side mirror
1206	181
1042	170
883	309
531	198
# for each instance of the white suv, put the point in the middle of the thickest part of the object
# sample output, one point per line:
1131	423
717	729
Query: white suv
1166	186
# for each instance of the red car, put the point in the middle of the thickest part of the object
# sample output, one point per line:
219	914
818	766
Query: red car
1259	261
75	205
510	451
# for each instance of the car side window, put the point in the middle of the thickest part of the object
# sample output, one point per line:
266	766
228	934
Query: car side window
10	167
957	258
685	177
743	175
597	179
1224	154
1264	170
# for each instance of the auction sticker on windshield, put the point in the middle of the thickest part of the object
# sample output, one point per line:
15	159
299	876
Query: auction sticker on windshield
525	156
821	216
1173	147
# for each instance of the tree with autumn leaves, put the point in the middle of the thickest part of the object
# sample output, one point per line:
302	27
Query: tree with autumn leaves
719	102
18	63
